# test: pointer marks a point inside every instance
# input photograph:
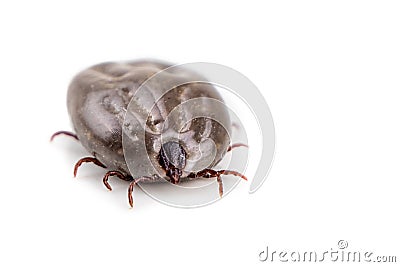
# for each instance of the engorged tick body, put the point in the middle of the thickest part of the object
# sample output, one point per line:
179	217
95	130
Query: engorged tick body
98	100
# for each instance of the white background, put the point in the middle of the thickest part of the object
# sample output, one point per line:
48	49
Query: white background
329	71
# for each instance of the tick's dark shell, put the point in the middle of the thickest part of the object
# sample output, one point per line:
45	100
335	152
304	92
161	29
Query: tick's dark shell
98	99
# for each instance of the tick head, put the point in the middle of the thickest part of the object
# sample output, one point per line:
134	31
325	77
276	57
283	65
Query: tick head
172	158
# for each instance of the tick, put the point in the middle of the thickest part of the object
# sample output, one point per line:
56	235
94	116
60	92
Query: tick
97	102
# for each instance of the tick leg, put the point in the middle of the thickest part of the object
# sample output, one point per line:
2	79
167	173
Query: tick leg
209	173
236	145
114	173
132	185
87	159
220	186
63	133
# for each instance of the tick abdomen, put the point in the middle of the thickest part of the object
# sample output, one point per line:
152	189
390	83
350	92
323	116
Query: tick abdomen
98	99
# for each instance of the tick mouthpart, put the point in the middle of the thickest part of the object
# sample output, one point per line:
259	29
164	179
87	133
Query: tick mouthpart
174	175
172	159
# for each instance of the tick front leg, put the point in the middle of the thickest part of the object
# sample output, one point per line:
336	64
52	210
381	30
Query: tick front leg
220	186
209	173
119	174
87	159
236	145
132	185
63	133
